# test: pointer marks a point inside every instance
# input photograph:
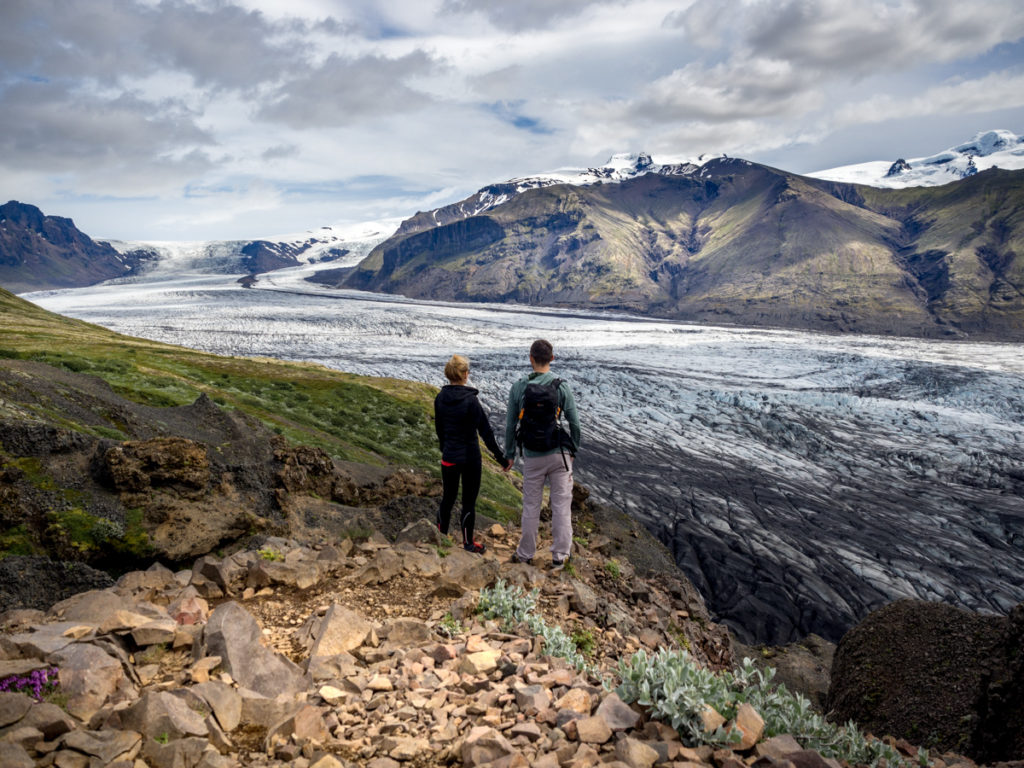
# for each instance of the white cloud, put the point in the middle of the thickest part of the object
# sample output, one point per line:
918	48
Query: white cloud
998	90
302	108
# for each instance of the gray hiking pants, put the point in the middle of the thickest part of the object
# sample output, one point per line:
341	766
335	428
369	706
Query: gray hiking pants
538	470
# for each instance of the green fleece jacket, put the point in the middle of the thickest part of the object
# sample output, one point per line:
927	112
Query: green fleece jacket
515	403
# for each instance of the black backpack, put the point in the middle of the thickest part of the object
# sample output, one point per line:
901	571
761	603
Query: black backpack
538	428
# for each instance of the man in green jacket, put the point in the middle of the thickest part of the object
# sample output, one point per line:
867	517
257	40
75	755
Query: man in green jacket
550	459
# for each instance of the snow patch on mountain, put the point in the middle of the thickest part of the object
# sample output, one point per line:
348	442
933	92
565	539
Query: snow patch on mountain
341	246
988	149
619	168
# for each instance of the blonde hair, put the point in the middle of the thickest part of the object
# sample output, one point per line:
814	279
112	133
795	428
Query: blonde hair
457	369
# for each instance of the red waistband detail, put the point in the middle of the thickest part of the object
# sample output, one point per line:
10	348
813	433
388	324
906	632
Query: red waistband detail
447	463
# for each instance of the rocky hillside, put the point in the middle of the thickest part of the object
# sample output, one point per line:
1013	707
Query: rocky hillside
373	651
734	242
39	252
297	605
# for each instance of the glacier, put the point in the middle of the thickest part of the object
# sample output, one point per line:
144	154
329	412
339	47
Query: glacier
800	479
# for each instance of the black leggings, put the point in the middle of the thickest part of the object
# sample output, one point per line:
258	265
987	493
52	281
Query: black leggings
470	475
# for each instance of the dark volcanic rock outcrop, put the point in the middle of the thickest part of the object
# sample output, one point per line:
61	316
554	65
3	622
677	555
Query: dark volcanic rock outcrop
936	675
36	582
185	481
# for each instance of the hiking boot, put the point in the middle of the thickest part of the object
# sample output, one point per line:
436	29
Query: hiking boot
557	565
516	559
474	546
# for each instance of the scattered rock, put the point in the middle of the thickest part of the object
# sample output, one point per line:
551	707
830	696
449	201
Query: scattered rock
616	713
419	531
108	746
635	753
593	730
90	678
162	714
234	635
339	631
751	726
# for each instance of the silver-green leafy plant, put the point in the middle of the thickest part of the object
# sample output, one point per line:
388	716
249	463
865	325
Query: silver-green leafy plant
677	690
514	606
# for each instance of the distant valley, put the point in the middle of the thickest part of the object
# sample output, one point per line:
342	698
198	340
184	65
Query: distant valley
706	239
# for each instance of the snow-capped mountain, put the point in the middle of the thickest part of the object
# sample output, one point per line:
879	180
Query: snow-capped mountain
340	246
988	149
620	167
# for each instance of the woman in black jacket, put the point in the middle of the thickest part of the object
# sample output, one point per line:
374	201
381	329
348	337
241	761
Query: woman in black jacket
458	418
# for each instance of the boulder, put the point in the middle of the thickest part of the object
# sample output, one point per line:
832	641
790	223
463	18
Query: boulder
45	639
635	753
404	748
48	719
90	678
419	531
485	745
335	667
92	607
225	702
228	574
778	747
479	663
160	712
177	753
155	632
154	579
233	634
384	566
532	699
264	711
469	571
13	707
302	574
304	724
808	758
340	630
188	608
406	632
421	563
924	672
751	726
576	700
592	730
616	713
15	756
106	745
583	599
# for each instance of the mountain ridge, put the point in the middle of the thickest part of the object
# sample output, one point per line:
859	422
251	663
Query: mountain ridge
39	251
986	149
734	242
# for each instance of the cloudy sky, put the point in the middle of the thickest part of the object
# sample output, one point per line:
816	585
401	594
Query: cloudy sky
217	119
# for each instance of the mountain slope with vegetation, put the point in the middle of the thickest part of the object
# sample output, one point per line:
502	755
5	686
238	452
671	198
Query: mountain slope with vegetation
114	449
735	242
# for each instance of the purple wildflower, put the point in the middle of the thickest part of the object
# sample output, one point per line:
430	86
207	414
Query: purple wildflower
38	682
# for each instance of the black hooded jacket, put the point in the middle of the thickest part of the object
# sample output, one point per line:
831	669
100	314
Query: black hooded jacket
458	417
